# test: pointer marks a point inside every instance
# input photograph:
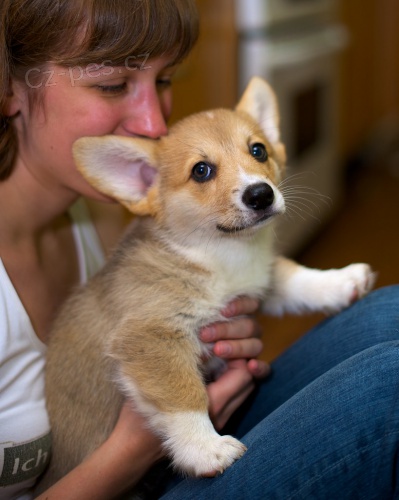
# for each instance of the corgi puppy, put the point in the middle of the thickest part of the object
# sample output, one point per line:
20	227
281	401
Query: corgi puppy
207	195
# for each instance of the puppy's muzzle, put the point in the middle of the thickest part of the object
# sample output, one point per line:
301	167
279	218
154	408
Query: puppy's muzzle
261	202
258	196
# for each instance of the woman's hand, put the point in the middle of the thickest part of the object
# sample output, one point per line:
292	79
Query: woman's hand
238	342
115	467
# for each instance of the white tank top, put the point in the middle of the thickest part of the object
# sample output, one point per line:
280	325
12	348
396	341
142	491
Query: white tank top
24	426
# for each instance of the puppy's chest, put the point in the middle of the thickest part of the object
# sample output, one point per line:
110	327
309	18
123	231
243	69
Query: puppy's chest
186	287
243	273
238	268
234	273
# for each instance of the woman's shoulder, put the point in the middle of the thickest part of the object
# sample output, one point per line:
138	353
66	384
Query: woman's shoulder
110	221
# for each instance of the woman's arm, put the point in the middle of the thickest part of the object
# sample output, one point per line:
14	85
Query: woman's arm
116	466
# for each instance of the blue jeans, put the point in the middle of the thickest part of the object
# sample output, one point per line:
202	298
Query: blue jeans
325	424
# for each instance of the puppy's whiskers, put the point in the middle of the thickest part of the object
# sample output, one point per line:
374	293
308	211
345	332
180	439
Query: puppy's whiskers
302	200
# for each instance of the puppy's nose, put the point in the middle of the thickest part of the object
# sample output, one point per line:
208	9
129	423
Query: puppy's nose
258	196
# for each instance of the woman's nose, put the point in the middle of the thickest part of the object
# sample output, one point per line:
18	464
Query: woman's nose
146	117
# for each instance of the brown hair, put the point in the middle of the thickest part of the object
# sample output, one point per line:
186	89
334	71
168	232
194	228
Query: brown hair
79	32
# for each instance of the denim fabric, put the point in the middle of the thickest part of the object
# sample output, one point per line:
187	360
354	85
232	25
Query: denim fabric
325	425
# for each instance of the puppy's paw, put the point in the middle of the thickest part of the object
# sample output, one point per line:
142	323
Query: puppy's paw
363	279
194	445
213	456
345	286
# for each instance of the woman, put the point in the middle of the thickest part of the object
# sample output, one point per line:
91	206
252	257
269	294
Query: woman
72	68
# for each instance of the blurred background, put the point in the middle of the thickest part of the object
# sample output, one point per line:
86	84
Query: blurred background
334	65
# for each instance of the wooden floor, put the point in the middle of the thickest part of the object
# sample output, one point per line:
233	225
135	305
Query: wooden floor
366	229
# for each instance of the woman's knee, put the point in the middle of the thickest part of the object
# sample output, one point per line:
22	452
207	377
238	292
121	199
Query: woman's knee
370	321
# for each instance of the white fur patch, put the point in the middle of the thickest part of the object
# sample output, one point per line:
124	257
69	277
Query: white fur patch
314	290
195	446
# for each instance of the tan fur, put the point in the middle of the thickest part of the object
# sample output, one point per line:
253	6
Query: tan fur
133	330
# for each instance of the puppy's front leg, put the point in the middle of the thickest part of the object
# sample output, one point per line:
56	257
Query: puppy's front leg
194	445
159	372
297	289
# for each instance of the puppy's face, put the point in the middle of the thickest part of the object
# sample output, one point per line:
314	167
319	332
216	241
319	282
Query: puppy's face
215	172
218	172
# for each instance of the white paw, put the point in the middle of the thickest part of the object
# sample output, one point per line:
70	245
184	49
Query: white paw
193	444
344	286
211	456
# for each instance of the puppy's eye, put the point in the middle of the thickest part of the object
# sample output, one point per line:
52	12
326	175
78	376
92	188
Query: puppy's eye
202	172
258	151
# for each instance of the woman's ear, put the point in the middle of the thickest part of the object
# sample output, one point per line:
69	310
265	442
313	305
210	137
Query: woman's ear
12	104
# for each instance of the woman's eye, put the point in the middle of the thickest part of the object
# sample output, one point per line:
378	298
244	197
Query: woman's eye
202	172
112	89
164	83
259	152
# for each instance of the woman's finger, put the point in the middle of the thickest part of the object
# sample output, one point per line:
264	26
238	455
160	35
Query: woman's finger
236	349
259	369
228	393
241	305
238	328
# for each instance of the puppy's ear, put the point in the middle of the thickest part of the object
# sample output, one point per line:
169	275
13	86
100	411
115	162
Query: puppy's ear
121	167
259	101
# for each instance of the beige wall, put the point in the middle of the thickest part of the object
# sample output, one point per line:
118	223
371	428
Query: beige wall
369	76
370	68
208	78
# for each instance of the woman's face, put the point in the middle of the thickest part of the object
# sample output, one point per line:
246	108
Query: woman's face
131	100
